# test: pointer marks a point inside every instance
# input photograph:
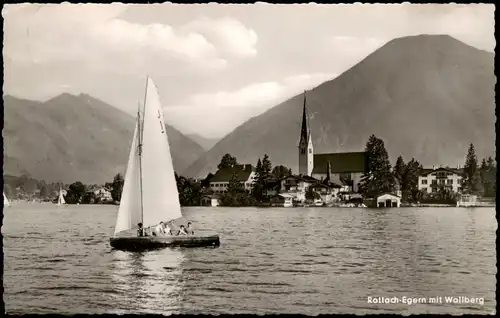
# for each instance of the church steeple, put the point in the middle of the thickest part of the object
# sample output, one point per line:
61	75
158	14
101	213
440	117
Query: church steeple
305	131
306	154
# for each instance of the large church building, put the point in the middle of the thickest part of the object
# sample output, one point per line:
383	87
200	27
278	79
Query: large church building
345	168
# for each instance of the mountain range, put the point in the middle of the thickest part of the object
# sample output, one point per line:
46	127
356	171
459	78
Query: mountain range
75	138
426	96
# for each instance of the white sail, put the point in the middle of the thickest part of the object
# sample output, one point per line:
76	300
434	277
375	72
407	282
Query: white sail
5	200
61	200
159	187
129	213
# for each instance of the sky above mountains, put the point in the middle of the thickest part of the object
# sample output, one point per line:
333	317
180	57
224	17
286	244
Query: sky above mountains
215	65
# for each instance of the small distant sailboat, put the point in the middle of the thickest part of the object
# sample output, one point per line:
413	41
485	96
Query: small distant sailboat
149	193
6	202
60	199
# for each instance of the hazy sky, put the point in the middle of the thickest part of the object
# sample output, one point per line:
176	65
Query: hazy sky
215	65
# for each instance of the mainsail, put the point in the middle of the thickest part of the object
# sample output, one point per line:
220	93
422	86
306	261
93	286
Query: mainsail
159	187
150	189
5	200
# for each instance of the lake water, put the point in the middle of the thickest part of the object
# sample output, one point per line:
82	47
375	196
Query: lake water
297	260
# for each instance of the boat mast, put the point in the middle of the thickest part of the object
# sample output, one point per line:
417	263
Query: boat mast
139	150
140	146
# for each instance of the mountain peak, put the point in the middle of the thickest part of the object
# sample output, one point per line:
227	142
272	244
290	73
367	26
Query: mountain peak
72	97
430	42
62	97
426	37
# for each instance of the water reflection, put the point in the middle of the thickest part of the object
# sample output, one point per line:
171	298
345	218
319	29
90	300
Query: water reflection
150	281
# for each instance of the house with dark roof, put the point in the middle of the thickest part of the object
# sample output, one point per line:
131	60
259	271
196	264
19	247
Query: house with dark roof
340	168
327	193
245	174
297	186
272	186
345	168
430	179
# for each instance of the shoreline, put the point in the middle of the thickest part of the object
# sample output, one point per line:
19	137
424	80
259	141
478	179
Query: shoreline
336	205
436	205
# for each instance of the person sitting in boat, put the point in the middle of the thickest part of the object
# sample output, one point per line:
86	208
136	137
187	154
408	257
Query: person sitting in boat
141	231
166	229
189	229
182	230
158	230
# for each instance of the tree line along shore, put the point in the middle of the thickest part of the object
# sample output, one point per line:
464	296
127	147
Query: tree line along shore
477	178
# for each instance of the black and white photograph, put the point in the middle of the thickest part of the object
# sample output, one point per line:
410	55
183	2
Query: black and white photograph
256	158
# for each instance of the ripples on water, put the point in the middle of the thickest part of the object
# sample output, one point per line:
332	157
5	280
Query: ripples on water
308	261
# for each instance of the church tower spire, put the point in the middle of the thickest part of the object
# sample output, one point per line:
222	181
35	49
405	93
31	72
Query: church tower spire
304	131
306	151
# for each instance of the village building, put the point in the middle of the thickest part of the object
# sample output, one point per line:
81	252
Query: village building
353	198
297	186
343	168
388	200
467	200
210	200
327	193
272	186
245	174
97	194
103	194
430	180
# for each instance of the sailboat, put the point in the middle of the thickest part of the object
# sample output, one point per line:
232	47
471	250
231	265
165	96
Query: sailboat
60	199
149	193
5	200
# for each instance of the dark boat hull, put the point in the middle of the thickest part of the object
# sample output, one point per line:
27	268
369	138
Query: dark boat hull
156	242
